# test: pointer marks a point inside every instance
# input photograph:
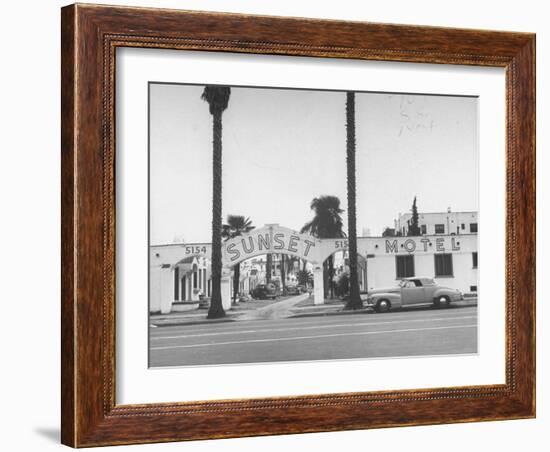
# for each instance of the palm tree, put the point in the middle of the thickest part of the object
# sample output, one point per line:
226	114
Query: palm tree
326	224
354	301
268	267
290	262
305	278
283	272
217	98
236	225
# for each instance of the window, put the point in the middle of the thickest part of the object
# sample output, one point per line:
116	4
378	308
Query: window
473	228
195	279
423	229
440	229
473	288
404	266
474	260
443	264
463	226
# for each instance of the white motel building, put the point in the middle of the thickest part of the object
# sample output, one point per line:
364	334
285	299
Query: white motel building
180	273
452	223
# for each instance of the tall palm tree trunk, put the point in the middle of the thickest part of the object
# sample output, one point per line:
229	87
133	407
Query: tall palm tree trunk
216	308
331	275
354	298
236	281
283	273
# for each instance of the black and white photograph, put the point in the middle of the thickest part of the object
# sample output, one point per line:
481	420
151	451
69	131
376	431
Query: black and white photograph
236	225
300	225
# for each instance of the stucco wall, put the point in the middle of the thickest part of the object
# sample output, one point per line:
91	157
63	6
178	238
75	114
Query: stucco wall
380	253
381	271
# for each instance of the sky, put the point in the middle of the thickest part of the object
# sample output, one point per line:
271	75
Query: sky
284	147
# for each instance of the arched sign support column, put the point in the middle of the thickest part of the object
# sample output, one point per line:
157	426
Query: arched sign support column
226	288
318	285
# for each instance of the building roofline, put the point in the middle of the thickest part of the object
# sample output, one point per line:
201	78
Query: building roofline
429	213
344	238
181	244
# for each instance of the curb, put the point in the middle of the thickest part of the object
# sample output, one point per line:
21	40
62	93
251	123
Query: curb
323	314
186	323
368	310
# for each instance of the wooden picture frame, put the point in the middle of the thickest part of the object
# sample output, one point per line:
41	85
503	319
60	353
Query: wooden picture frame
90	36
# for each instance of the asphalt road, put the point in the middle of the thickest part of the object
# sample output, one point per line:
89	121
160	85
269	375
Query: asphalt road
395	334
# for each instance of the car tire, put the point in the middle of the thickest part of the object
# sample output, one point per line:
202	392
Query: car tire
442	302
383	306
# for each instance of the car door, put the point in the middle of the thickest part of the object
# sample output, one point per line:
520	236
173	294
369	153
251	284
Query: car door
429	289
412	292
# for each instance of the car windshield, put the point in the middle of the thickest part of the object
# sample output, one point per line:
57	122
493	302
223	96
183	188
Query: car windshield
410	283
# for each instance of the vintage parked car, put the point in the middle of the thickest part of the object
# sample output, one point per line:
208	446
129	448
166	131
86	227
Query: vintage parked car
293	290
264	291
410	292
243	298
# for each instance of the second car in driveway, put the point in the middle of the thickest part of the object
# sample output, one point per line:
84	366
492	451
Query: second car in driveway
412	291
265	292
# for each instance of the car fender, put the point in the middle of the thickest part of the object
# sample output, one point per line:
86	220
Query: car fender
394	298
441	292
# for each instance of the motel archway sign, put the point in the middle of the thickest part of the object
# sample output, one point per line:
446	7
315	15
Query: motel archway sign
275	239
269	239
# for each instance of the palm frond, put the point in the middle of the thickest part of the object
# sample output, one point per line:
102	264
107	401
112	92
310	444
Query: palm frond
217	97
236	225
327	221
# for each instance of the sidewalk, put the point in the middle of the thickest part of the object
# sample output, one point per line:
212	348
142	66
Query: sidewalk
336	307
279	310
331	307
292	307
195	317
249	310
